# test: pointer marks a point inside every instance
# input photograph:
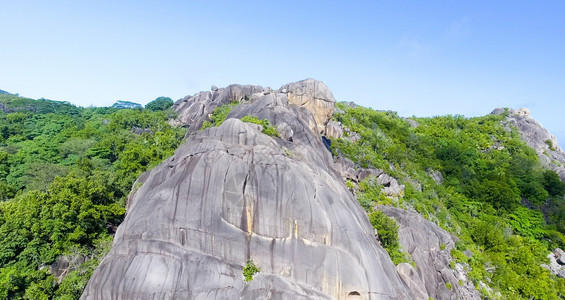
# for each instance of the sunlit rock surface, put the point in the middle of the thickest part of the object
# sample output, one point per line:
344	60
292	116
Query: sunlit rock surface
232	193
429	246
536	136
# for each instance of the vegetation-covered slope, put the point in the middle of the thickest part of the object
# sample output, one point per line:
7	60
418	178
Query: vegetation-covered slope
65	173
488	174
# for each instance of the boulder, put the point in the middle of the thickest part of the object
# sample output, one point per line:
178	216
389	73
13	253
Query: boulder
436	176
559	256
555	267
334	130
315	96
429	246
363	173
391	186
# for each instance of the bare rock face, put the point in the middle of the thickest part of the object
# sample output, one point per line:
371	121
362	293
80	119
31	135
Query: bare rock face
315	96
536	136
193	109
334	130
556	263
232	193
559	256
430	248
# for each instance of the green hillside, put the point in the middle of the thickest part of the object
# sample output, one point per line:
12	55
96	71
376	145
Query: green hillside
487	172
65	173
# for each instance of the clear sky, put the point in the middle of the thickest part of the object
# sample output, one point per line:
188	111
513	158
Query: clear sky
419	58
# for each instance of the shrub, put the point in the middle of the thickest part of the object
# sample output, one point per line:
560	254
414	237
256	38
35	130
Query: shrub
160	103
267	128
249	270
387	231
219	115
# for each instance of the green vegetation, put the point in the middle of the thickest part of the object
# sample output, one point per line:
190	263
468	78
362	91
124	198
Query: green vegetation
487	172
161	103
249	270
549	143
219	115
65	173
387	231
268	129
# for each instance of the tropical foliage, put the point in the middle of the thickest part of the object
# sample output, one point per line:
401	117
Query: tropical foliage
65	173
506	209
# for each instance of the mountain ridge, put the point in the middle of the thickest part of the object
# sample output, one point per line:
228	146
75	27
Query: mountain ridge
276	193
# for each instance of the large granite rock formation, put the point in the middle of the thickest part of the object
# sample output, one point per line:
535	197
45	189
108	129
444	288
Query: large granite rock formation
315	96
429	246
536	136
232	193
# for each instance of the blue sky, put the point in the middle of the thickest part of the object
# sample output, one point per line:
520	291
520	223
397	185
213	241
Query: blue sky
419	58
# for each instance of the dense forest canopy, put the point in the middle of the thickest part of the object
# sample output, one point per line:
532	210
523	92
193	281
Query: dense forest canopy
65	173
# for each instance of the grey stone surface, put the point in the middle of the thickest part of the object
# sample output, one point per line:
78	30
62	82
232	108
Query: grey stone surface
316	97
334	130
193	110
412	123
436	176
535	135
423	240
556	268
391	186
559	256
411	277
230	194
66	264
349	171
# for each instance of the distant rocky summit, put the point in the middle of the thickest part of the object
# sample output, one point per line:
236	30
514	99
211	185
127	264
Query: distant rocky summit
536	136
121	104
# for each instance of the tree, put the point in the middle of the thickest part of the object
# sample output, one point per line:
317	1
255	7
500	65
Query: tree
161	103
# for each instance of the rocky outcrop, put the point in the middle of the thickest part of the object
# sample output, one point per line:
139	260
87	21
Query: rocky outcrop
556	263
429	246
193	110
559	256
349	171
232	193
334	130
536	136
66	264
313	95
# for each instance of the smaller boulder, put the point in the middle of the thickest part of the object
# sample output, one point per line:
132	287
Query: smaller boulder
285	131
334	130
559	256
